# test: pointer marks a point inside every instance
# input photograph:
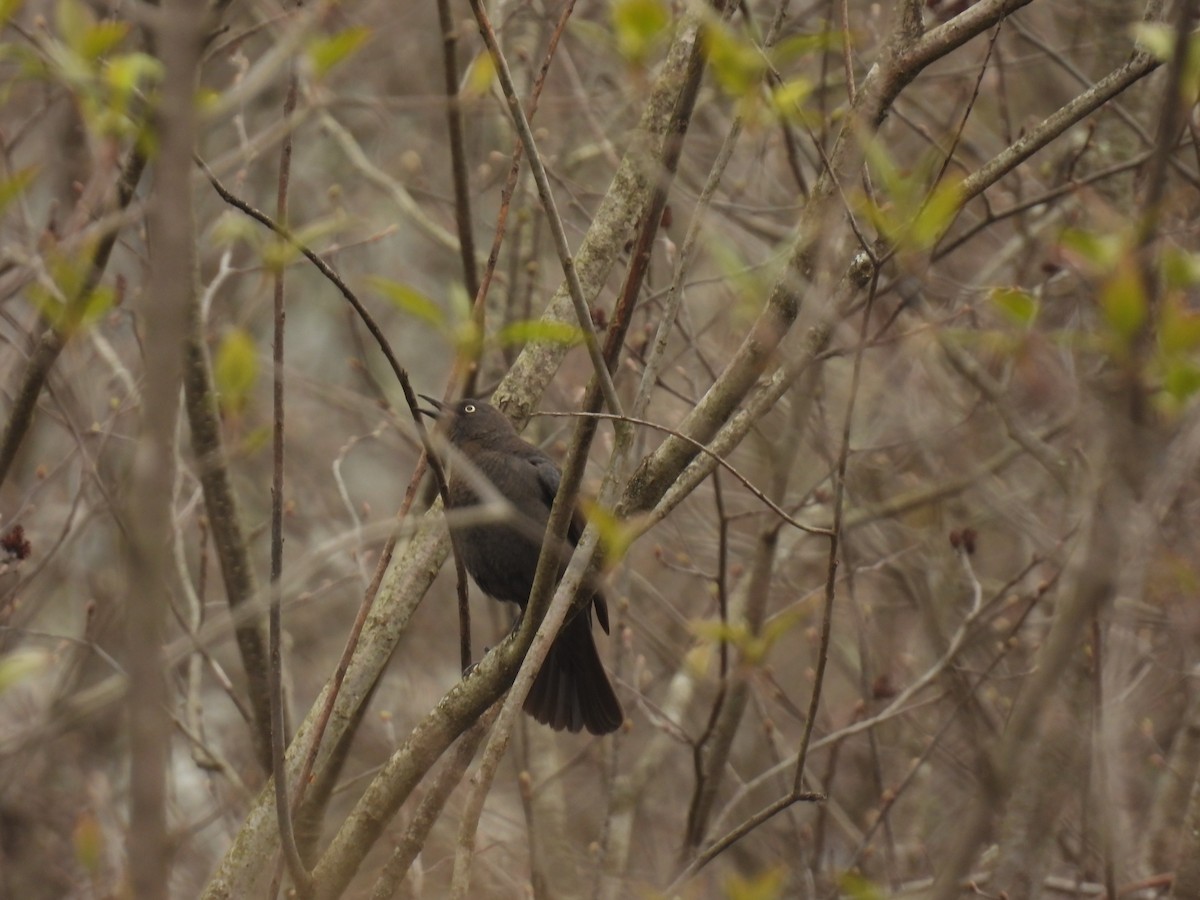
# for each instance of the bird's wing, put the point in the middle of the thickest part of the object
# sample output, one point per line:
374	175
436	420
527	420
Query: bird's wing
549	478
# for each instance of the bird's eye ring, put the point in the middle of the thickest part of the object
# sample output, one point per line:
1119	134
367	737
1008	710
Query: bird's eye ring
470	408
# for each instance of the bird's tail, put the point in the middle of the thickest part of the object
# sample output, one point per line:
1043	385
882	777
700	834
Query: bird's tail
572	690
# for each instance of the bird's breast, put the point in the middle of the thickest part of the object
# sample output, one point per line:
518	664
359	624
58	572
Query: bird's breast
501	555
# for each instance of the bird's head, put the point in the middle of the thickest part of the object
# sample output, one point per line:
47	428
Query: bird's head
468	420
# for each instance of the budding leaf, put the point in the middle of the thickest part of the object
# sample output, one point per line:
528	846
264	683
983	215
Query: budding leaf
1018	306
639	26
236	369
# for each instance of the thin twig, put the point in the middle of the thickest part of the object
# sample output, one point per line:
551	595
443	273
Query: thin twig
1027	34
749	613
227	528
1046	196
962	122
368	320
1170	125
719	460
470	367
582	314
839	503
478	311
430	807
52	340
655	360
301	877
548	621
796	794
404	201
966	366
1053	126
458	153
429	457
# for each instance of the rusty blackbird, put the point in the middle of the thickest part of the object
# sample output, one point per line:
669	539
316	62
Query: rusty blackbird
572	690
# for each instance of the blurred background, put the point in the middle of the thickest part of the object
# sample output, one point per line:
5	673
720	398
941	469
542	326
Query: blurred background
1019	491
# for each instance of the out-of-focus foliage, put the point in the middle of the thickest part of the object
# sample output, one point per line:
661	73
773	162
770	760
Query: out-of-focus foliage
1015	395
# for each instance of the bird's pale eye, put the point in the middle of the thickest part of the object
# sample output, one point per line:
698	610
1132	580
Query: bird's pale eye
470	408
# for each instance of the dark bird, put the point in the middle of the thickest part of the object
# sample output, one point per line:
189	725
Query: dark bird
572	690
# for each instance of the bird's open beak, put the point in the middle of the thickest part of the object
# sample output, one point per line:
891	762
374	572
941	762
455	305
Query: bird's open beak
438	406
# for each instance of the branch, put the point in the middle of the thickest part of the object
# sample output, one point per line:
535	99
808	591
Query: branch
53	340
575	287
410	575
458	154
283	809
715	420
1038	137
432	803
716	459
225	522
170	290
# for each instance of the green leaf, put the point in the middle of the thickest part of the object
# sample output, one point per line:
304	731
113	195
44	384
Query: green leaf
907	212
935	215
788	99
1100	251
49	304
616	535
1178	328
409	300
89	308
1156	38
779	626
73	21
76	73
319	229
766	886
102	38
326	52
207	101
21	665
1181	379
639	26
538	331
738	65
63	301
129	72
1017	306
277	253
12	188
480	76
589	33
717	632
87	838
255	440
236	369
793	48
461	305
1123	300
8	9
233	227
1180	268
751	648
698	660
467	339
753	286
856	887
892	181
